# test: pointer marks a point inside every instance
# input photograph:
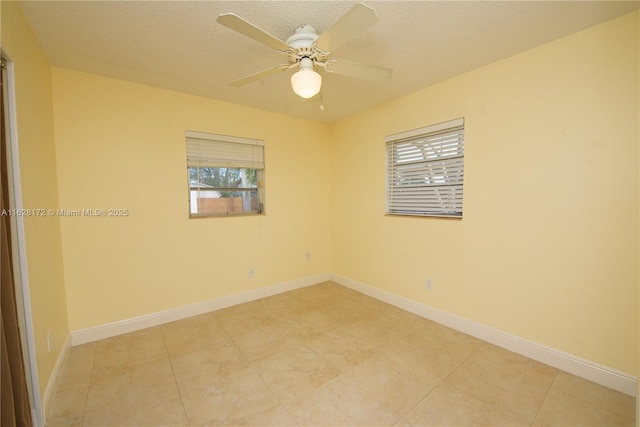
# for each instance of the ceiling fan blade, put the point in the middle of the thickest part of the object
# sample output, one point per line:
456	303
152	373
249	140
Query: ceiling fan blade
358	70
259	76
233	21
351	24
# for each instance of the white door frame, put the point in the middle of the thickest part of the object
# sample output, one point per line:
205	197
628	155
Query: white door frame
23	299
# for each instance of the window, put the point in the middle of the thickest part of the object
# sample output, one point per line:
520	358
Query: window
226	175
425	170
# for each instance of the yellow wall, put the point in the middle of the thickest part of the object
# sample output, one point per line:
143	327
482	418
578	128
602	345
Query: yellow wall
122	145
548	247
39	186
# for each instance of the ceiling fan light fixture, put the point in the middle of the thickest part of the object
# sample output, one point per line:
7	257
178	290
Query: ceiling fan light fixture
306	82
308	51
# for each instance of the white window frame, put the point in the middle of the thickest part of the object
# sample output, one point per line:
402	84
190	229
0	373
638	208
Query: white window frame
425	171
224	151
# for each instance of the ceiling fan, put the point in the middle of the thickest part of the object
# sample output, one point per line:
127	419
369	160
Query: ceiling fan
308	51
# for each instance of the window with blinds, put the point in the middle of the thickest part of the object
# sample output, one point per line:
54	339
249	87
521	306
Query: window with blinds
425	171
226	175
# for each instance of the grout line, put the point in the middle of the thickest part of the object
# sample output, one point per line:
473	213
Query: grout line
173	372
442	381
251	363
277	325
254	368
545	396
420	401
597	403
91	374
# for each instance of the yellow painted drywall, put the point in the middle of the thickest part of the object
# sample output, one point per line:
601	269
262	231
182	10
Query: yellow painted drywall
39	188
121	145
548	247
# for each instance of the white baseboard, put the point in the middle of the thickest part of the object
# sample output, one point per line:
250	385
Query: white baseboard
55	375
129	325
592	371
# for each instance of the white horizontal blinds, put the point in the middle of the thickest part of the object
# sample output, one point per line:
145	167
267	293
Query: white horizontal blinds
425	171
206	150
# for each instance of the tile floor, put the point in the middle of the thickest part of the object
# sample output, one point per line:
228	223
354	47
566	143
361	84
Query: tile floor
319	356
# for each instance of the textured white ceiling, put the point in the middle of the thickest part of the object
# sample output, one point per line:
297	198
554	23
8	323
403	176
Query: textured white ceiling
179	45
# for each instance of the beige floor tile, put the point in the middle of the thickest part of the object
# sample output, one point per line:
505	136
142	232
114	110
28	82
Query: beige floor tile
193	333
508	392
276	417
211	357
341	403
510	364
135	348
119	393
295	372
239	396
170	414
347	311
64	423
264	341
310	322
343	347
394	356
402	423
243	319
404	321
199	378
378	331
448	407
611	400
434	355
399	386
78	365
67	407
563	409
348	306
283	306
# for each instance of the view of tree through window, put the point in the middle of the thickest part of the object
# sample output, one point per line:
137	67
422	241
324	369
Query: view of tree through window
226	175
224	178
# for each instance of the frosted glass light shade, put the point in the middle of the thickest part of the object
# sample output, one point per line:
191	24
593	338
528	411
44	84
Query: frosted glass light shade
306	82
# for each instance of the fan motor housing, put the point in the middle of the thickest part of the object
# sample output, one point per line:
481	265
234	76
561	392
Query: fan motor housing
303	36
302	43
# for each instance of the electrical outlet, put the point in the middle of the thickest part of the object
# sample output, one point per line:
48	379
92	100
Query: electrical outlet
307	256
252	272
428	284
